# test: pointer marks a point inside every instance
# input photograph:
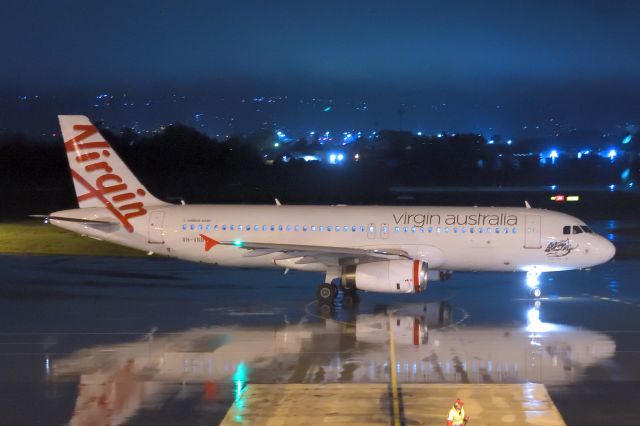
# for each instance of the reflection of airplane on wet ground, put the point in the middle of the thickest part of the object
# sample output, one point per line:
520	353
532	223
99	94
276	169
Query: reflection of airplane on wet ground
119	379
383	249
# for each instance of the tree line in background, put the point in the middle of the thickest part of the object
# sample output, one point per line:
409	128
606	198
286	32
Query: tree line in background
182	163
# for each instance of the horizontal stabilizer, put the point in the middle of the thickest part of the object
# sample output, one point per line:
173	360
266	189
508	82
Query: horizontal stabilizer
75	220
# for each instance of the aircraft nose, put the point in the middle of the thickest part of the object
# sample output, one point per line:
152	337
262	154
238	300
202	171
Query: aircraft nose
606	250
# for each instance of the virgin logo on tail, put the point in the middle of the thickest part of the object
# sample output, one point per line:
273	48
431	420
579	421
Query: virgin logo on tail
107	186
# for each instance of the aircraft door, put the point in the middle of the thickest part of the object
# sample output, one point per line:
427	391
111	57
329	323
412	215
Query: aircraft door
532	231
384	231
155	227
371	231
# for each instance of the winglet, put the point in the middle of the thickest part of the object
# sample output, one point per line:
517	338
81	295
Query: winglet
526	204
209	242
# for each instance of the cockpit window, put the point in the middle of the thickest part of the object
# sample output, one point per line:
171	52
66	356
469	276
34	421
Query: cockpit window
577	230
586	229
566	230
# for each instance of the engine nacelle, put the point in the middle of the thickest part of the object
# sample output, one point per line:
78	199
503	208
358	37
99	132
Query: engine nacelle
390	276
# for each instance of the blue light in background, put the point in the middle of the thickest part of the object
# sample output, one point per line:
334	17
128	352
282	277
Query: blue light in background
627	139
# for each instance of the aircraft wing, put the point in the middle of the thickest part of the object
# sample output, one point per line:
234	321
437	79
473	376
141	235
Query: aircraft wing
310	253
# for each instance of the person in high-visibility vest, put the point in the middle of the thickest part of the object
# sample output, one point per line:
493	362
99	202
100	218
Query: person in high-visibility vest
456	415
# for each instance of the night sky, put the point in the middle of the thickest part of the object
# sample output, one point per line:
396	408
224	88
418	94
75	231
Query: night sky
466	65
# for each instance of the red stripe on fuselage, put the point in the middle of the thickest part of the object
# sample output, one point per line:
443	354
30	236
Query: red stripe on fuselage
209	242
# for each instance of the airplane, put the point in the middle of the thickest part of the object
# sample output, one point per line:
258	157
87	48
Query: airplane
116	381
371	248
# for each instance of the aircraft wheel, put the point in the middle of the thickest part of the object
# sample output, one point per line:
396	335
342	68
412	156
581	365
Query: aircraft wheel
536	292
326	293
325	310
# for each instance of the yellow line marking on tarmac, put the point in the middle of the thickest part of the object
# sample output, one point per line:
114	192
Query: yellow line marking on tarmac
394	377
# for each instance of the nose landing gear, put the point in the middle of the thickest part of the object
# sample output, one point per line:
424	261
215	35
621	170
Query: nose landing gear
533	281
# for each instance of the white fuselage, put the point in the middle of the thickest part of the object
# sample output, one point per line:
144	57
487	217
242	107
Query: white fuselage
447	238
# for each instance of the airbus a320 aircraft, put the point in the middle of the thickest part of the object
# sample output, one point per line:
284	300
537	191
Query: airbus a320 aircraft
370	248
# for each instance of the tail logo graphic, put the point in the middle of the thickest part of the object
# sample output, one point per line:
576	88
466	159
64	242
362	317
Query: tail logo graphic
107	187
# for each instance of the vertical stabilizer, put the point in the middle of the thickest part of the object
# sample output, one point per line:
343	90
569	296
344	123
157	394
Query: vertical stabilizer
100	177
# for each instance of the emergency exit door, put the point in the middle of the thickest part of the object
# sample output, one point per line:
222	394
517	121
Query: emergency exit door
156	231
532	231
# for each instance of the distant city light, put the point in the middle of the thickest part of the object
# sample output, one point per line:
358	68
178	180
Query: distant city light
356	157
509	142
276	144
627	139
491	142
553	154
612	187
419	133
308	158
340	157
440	135
573	198
332	158
553	187
327	109
625	174
612	154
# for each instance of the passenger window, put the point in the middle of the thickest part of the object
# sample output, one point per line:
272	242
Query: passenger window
446	230
354	229
231	227
184	227
273	228
397	229
321	228
329	228
431	229
362	228
297	228
422	229
472	230
406	229
239	227
413	229
304	228
566	230
455	230
224	227
199	227
256	228
514	231
264	227
279	227
337	228
313	227
345	229
288	227
208	227
248	228
464	230
497	230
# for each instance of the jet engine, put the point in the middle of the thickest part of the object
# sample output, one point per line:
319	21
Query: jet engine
389	276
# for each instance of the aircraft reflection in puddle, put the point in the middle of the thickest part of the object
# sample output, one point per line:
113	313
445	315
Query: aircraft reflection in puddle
117	380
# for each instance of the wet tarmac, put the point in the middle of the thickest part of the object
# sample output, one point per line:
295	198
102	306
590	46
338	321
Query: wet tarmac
139	341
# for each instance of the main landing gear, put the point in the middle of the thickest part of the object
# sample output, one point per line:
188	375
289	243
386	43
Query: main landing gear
328	291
